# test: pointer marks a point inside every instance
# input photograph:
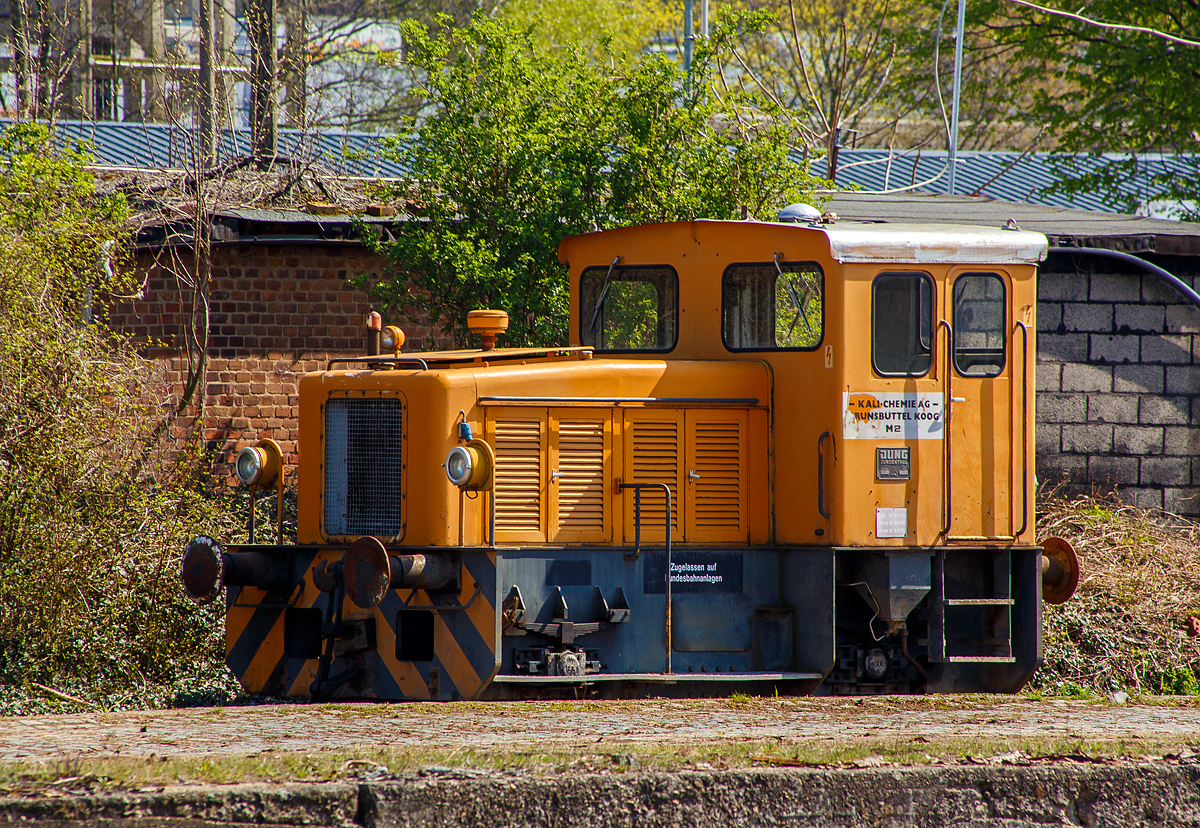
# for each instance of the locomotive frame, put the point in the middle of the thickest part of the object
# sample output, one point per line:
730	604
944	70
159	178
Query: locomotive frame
835	416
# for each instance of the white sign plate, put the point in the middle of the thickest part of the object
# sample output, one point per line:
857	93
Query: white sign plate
891	523
892	415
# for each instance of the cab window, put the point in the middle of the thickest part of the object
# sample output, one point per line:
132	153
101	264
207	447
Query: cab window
902	324
629	308
979	325
770	306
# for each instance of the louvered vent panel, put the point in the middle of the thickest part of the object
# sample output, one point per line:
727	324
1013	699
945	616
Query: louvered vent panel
518	475
718	496
581	487
656	460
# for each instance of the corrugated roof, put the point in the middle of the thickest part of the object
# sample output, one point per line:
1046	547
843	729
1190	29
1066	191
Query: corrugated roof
163	146
1081	228
1008	176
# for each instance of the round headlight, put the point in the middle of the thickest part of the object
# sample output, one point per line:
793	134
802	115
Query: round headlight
249	465
391	339
459	465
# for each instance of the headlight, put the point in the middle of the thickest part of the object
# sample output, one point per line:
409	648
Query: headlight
459	465
470	466
260	464
249	465
391	339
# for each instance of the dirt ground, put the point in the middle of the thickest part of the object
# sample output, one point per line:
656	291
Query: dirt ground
734	731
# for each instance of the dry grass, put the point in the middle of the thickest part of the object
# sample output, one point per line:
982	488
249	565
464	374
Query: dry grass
1127	628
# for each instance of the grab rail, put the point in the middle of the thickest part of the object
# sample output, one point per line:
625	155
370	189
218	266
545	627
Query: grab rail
821	473
637	541
390	362
947	406
1024	429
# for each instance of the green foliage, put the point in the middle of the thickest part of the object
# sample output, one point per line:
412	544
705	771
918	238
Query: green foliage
521	147
89	597
609	30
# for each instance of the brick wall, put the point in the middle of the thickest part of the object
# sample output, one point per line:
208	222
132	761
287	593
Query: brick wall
276	311
1118	380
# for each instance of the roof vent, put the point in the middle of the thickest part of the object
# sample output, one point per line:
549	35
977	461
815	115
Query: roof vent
795	213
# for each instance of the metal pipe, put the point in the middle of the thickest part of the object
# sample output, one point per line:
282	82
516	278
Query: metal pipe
958	57
911	660
687	41
1181	286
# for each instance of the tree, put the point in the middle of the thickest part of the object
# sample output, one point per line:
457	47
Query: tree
1121	87
520	147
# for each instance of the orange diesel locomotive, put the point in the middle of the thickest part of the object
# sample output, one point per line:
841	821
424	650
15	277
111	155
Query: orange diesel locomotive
821	431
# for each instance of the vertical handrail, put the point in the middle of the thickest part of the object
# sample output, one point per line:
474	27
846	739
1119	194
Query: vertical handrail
821	476
947	406
1024	429
637	535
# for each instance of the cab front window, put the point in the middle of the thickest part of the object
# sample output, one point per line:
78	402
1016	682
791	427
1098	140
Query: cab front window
772	306
629	308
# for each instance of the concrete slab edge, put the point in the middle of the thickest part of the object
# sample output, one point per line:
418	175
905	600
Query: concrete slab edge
1119	794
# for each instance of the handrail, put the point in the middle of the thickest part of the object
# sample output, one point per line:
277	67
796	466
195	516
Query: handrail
821	474
1024	429
947	405
637	541
391	362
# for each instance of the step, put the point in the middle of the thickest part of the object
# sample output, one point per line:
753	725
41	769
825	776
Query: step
978	602
981	659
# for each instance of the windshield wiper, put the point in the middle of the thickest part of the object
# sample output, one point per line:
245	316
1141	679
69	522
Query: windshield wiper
603	293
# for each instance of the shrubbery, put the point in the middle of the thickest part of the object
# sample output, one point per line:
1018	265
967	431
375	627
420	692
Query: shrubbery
90	530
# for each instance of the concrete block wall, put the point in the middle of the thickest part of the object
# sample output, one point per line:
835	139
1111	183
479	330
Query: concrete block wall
1118	381
276	312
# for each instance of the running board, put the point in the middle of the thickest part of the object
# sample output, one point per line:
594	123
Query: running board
669	678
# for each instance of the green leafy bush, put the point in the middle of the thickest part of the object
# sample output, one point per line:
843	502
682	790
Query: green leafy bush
90	529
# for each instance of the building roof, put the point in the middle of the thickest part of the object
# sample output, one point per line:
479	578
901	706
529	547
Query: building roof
1077	228
149	146
1010	176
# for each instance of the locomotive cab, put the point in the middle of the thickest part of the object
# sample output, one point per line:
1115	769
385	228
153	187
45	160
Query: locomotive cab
774	456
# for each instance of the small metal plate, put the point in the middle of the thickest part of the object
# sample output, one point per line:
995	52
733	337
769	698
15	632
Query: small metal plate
891	463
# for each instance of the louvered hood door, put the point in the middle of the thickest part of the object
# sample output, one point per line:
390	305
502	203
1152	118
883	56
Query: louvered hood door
716	477
702	455
553	475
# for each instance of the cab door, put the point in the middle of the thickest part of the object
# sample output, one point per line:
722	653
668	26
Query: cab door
979	386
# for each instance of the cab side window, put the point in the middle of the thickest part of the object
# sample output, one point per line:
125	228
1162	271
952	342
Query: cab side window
979	325
629	308
766	307
902	324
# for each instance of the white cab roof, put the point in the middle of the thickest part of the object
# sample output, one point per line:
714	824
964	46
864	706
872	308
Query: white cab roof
933	243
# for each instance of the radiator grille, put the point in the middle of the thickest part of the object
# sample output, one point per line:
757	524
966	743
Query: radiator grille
364	443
